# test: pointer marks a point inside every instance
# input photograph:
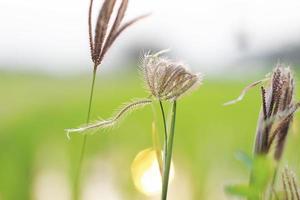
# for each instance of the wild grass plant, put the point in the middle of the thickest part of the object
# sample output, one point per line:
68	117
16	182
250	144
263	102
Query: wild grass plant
166	81
100	43
275	118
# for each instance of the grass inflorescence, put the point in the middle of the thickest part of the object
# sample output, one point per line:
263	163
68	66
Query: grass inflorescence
278	107
104	37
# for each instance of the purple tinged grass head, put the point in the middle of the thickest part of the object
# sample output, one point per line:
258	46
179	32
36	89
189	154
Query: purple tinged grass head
278	107
104	35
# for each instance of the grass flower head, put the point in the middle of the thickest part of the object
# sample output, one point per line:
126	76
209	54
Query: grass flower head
167	80
278	108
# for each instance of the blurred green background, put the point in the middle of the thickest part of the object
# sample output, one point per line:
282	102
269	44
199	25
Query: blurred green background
45	86
37	161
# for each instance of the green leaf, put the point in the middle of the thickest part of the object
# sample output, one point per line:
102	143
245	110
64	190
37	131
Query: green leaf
242	190
262	171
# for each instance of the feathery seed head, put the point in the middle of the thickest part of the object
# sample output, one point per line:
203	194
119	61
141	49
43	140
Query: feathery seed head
105	36
278	109
167	80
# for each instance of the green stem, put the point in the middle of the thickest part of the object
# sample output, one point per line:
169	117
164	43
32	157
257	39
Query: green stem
91	96
169	154
76	191
166	134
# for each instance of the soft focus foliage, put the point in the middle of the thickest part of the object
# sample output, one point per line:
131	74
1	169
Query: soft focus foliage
261	174
35	110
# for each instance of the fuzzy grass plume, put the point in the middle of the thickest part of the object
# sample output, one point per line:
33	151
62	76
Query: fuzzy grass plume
105	36
277	112
167	80
278	107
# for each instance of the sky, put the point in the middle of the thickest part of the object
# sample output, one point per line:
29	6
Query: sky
51	35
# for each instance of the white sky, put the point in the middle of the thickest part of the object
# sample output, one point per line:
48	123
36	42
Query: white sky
51	35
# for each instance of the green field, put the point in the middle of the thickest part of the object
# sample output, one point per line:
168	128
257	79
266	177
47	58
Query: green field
35	110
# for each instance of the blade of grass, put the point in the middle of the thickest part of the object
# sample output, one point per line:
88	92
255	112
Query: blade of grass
165	133
169	154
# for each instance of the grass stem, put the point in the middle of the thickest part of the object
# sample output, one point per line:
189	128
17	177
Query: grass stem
166	133
76	190
169	154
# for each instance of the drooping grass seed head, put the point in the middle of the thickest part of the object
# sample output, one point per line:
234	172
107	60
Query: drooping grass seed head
167	80
277	112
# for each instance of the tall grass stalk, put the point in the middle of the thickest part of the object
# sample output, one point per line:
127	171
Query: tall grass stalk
168	157
104	37
76	191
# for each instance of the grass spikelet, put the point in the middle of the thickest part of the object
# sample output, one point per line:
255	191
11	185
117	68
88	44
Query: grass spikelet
104	35
114	35
121	113
102	26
